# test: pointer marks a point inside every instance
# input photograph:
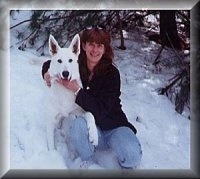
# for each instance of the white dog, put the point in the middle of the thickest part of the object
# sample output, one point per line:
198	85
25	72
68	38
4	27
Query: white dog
64	64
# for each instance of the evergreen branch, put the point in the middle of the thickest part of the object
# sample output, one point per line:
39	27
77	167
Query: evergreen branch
20	23
42	20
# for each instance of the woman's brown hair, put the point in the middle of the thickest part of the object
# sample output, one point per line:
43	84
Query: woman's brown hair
99	36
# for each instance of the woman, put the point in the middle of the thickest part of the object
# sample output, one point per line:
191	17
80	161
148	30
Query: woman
100	95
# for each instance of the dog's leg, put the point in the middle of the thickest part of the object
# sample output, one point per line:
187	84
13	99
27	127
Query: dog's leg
50	135
59	120
51	126
92	129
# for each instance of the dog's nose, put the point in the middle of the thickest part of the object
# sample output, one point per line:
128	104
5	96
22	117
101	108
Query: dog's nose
65	74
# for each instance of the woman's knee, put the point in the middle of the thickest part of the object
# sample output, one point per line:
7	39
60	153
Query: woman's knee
78	131
79	138
78	125
127	147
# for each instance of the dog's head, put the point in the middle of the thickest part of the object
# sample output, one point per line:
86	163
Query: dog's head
64	61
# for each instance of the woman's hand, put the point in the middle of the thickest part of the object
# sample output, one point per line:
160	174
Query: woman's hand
47	78
71	85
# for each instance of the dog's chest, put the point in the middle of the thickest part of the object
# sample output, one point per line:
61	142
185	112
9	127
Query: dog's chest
62	99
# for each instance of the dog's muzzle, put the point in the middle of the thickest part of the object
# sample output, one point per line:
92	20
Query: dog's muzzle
65	75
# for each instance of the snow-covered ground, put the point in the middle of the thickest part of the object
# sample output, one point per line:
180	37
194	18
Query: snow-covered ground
164	134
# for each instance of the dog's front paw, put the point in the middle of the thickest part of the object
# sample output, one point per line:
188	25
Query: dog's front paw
93	135
92	129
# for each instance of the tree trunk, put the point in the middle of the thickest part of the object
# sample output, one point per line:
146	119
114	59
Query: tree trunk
121	31
168	29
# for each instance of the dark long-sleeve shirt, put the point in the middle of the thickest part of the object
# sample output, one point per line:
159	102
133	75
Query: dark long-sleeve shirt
101	97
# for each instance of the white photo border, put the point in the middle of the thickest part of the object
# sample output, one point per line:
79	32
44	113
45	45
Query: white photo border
7	5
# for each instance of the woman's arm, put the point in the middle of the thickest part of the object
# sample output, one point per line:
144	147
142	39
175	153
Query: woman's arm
101	104
45	73
45	67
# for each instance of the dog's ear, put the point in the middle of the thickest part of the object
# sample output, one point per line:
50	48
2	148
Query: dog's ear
53	45
75	45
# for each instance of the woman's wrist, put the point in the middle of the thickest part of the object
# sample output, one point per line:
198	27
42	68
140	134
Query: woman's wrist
77	91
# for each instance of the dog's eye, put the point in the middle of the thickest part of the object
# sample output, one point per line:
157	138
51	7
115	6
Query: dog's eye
70	60
59	61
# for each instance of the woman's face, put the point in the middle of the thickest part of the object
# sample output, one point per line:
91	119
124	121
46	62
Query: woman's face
93	51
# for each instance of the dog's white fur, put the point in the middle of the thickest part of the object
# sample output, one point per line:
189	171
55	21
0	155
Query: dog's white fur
62	100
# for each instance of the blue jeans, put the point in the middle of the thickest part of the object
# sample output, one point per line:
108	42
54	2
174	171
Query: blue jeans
121	140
